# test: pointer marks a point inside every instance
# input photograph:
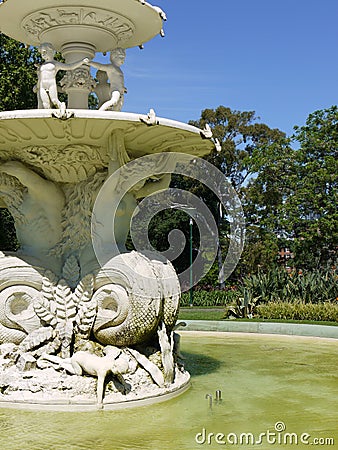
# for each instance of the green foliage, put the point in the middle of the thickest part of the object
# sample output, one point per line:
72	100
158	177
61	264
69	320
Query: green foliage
243	307
279	285
260	250
327	312
93	101
316	194
313	287
295	191
211	280
200	314
208	299
17	74
8	240
239	135
160	227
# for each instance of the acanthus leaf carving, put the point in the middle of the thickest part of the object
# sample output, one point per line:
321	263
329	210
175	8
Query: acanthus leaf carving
65	306
58	162
71	271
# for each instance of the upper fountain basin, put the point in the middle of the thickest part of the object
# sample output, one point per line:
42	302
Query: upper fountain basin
103	24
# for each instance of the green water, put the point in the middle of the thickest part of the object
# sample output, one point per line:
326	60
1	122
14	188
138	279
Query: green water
263	379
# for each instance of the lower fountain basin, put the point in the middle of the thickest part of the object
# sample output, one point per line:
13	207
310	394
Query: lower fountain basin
266	382
71	150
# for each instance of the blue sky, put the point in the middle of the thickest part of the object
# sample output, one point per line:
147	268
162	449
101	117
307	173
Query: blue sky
276	57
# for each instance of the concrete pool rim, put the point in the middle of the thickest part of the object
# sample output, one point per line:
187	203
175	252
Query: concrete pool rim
278	328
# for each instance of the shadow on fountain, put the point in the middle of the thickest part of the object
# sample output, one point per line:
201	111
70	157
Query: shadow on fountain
114	385
8	238
198	364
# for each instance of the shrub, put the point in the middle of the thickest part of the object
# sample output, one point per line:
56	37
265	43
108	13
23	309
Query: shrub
274	286
208	299
243	307
279	285
326	312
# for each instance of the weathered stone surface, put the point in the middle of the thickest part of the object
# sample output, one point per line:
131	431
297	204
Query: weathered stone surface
6	350
53	386
26	362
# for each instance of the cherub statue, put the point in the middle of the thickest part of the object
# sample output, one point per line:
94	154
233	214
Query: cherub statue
102	88
47	89
81	362
116	80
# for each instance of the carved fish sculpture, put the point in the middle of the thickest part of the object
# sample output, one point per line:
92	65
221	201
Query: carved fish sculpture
134	293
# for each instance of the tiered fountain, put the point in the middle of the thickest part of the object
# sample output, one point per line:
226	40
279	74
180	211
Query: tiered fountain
64	312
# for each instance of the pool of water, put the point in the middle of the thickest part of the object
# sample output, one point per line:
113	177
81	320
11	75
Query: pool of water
271	386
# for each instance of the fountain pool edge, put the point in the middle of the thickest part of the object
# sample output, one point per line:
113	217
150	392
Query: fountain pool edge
89	406
288	329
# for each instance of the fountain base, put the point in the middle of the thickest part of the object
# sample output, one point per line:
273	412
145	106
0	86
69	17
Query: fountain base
49	389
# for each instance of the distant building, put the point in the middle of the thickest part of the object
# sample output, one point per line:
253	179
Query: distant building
284	255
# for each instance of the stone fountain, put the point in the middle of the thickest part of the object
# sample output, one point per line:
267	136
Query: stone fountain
66	311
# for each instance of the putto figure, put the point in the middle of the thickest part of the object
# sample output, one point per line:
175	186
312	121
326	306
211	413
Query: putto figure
116	80
102	87
81	362
46	88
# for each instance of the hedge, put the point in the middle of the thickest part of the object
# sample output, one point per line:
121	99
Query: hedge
326	312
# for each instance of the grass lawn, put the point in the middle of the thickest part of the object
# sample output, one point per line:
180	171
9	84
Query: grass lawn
192	313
